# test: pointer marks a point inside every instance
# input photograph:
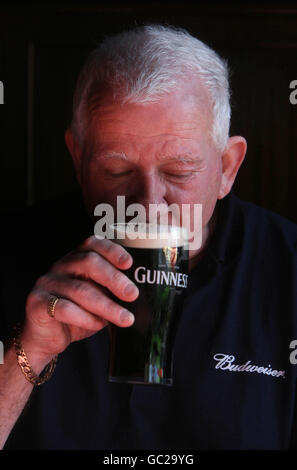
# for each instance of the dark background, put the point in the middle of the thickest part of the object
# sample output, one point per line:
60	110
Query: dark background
42	48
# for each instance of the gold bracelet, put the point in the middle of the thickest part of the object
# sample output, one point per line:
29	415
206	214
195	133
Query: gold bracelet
27	369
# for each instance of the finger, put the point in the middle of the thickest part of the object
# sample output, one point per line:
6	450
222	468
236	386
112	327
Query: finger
91	265
111	251
38	299
89	297
72	314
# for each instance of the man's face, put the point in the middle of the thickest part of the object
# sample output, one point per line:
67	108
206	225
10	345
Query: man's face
154	153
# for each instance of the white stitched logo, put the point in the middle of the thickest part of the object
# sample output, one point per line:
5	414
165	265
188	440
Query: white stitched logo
225	362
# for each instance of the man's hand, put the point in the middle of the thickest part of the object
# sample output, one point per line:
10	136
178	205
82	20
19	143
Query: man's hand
83	279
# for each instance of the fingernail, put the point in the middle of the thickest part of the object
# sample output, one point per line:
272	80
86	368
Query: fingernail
130	289
124	258
125	316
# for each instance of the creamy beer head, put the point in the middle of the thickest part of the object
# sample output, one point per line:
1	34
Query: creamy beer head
147	235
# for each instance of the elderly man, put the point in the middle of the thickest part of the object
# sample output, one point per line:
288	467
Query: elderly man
151	122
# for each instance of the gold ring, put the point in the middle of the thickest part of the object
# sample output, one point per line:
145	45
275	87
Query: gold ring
52	302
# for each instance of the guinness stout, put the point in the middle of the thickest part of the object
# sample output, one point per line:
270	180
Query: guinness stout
142	353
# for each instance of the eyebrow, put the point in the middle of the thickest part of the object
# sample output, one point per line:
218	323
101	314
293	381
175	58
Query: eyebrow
183	159
119	155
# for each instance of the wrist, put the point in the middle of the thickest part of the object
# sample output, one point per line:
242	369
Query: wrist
36	345
36	365
26	367
38	359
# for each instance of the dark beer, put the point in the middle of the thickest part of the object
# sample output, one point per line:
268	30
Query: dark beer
143	352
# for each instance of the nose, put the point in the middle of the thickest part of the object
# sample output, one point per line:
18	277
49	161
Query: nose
148	189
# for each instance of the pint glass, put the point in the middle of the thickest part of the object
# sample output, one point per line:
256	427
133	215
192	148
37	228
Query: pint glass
143	352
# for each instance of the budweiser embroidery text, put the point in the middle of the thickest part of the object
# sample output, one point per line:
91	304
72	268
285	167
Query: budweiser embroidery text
225	362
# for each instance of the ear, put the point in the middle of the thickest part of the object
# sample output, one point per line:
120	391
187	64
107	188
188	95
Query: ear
232	158
75	152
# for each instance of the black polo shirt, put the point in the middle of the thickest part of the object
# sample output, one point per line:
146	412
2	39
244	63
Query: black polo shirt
234	384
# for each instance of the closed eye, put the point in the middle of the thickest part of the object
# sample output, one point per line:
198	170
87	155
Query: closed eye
179	176
119	173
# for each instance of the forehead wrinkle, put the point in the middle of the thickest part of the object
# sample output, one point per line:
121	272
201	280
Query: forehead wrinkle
114	125
183	124
169	148
145	136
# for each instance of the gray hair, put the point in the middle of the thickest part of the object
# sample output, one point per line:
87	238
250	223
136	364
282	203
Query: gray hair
145	63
